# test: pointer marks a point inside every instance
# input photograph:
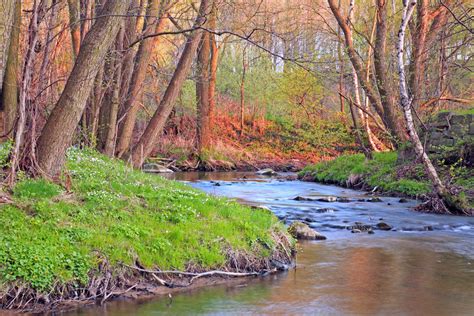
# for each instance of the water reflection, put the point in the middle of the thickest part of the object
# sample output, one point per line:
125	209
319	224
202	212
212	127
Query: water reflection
400	272
391	278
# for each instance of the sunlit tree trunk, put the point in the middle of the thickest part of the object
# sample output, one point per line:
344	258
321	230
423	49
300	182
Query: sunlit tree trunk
7	14
110	102
214	64
74	7
9	90
154	17
58	132
155	127
426	29
242	92
130	36
202	94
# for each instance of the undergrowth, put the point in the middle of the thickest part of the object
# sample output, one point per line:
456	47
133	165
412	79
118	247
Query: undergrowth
51	235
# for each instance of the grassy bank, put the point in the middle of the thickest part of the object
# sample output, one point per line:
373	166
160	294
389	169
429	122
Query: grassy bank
383	172
77	239
388	174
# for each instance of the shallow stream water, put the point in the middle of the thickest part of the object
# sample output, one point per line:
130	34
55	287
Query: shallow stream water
423	266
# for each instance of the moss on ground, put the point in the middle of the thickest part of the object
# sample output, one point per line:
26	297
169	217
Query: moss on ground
51	236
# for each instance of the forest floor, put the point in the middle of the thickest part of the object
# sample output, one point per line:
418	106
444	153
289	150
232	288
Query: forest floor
264	144
104	230
388	174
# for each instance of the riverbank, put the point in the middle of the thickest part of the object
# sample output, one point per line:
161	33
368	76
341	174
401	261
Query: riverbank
388	174
106	230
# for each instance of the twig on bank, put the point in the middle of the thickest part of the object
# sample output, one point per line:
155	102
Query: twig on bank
195	276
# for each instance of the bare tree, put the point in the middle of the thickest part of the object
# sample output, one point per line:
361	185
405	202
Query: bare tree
154	22
154	128
406	102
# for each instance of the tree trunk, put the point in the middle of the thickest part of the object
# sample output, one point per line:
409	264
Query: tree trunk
367	85
428	26
387	95
9	92
406	103
7	14
242	93
154	128
202	94
153	16
59	129
375	143
129	56
74	7
27	73
214	64
110	103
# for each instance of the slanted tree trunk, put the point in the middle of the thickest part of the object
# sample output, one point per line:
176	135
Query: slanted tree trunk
110	103
406	104
9	91
129	37
58	132
202	94
154	17
154	128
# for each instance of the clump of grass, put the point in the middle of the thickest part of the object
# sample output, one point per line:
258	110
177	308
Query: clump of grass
380	172
51	237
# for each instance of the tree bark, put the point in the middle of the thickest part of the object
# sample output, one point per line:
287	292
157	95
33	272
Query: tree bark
202	94
153	16
9	92
406	103
428	26
242	92
154	128
74	7
214	64
110	103
387	95
27	73
367	85
58	132
7	13
129	56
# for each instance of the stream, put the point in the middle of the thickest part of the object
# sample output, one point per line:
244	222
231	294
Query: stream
423	266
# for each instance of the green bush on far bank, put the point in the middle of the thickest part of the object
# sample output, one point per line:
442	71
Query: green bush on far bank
111	212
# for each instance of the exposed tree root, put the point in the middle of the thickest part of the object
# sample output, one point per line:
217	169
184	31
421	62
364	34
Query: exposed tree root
448	205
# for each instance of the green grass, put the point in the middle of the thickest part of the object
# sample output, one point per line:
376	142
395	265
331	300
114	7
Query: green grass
380	172
50	236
